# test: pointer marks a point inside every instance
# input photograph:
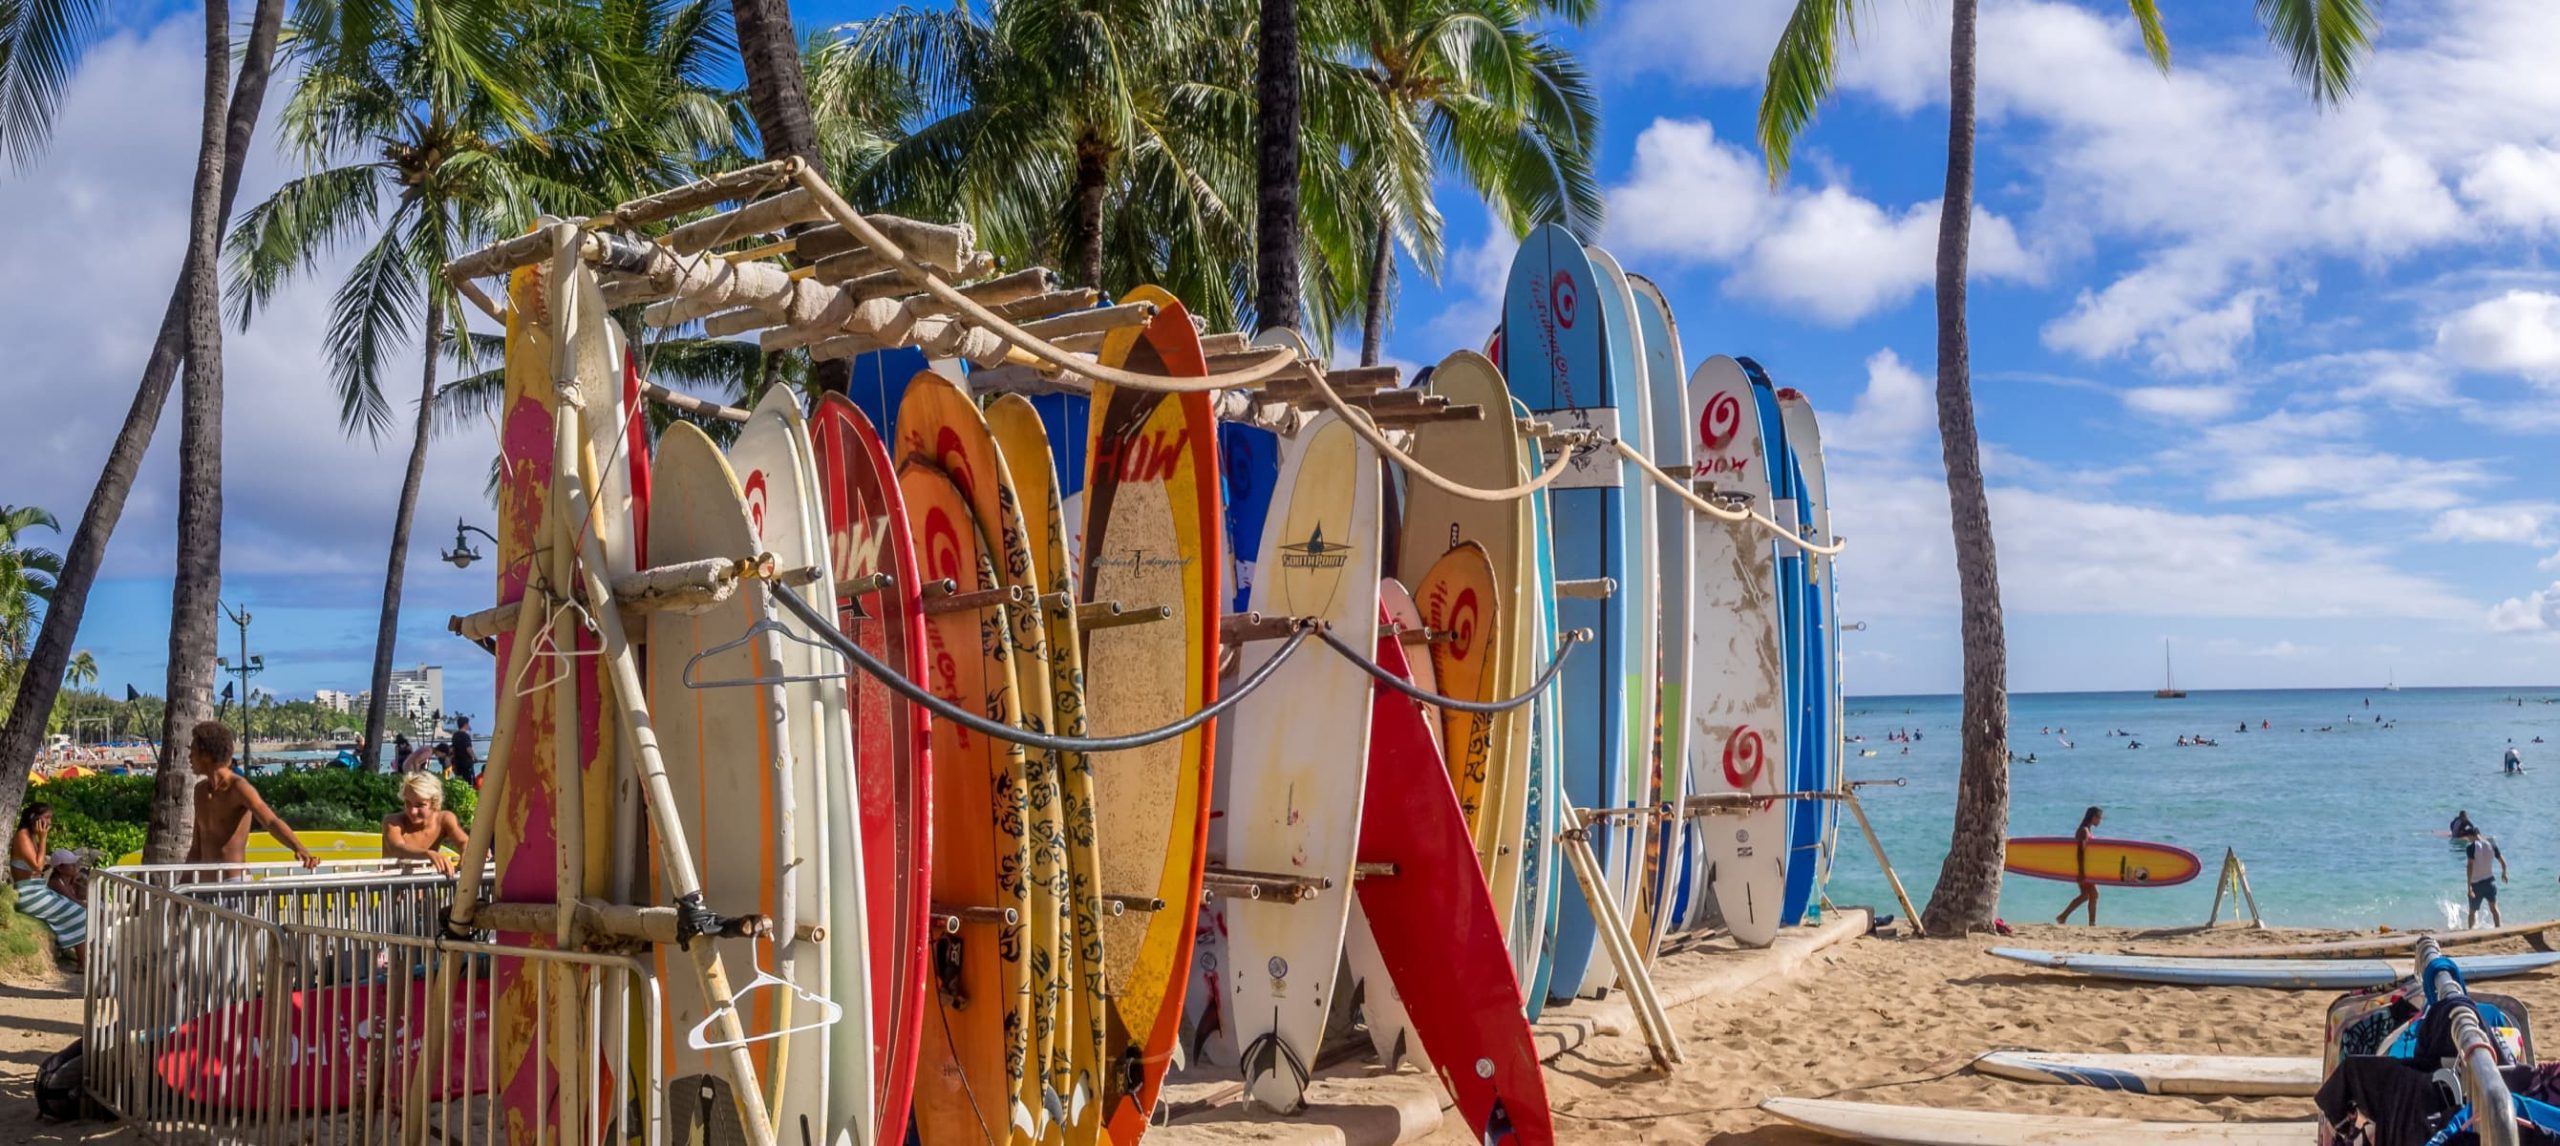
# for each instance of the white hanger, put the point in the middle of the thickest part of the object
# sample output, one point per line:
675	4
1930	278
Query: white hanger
831	1013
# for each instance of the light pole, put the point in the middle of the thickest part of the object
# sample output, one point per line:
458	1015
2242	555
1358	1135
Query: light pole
249	666
462	555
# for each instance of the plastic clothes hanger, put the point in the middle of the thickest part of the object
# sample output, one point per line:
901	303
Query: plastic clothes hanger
829	1012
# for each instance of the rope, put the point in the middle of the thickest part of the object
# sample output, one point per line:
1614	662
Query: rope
1701	504
1571	637
1368	431
946	710
861	228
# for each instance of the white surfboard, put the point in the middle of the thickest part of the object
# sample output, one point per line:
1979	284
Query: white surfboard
1926	1126
2161	1073
719	743
1300	757
774	464
1666	389
1625	346
1738	734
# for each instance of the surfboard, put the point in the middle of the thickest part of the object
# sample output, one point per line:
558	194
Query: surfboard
1665	382
893	785
1461	615
552	324
2112	863
1294	788
1436	929
939	422
1542	896
1487	454
1800	626
1554	358
720	748
1382	1010
337	1040
1023	441
970	1076
1929	1126
2393	944
331	847
774	460
2279	974
2161	1073
1639	662
1804	437
1151	540
1739	743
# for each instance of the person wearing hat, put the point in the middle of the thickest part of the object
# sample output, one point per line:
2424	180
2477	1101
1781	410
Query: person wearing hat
67	879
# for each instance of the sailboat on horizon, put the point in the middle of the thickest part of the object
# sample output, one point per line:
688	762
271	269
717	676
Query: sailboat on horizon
2168	676
2391	680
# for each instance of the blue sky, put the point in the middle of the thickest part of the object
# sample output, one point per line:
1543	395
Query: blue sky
2277	383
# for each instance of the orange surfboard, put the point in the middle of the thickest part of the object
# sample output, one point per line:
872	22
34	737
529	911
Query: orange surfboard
2112	863
1461	605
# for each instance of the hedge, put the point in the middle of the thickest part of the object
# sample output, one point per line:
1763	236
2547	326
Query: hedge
109	816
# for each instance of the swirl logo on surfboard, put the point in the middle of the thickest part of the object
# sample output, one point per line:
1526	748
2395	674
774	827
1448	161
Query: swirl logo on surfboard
1462	624
1563	300
1745	757
757	494
1720	428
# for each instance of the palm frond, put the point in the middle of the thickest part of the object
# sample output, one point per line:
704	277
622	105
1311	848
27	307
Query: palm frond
373	311
294	228
40	42
2155	35
2324	40
1801	71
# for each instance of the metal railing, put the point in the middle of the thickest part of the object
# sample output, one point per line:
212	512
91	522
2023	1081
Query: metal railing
327	1009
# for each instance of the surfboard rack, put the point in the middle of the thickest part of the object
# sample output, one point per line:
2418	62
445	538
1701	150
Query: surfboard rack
1237	628
1416	634
1593	589
1624	952
1112	615
689	587
2234	882
951	917
938	601
1264	885
1134	902
592	919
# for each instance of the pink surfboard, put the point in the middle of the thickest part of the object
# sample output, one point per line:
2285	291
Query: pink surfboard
219	1059
1436	928
867	534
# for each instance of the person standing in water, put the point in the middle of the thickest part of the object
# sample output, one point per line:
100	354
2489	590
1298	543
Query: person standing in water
2477	853
2088	890
2515	759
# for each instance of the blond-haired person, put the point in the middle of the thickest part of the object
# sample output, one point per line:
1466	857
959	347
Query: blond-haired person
421	827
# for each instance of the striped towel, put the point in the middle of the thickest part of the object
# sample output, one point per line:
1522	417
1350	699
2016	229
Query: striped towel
69	920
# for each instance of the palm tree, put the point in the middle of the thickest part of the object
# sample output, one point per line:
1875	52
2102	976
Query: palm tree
83	670
1506	107
1275	144
40	42
29	100
448	124
2324	39
27	577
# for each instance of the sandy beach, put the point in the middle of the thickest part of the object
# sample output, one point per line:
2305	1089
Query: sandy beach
1875	1019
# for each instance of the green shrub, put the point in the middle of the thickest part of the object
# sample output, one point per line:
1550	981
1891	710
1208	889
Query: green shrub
110	815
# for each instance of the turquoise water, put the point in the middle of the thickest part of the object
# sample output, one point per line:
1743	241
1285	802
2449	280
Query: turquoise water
2341	828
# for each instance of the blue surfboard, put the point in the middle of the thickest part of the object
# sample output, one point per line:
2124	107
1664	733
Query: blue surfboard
1553	356
1800	611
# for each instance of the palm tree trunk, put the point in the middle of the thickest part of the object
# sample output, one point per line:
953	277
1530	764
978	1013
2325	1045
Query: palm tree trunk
194	627
1373	319
778	99
24	732
386	635
1084	215
1968	892
1275	128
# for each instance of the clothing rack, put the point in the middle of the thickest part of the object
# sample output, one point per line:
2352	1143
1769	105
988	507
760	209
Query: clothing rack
2493	1107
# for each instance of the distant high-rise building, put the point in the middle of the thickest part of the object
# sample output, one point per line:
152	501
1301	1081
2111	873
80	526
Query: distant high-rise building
335	701
418	693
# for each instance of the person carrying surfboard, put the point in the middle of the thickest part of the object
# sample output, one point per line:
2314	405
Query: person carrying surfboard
2088	890
2477	852
226	801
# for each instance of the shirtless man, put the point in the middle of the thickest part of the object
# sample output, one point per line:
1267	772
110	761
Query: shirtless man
226	802
421	827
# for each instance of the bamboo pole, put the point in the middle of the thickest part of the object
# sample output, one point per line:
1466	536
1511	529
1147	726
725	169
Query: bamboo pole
1850	796
1642	999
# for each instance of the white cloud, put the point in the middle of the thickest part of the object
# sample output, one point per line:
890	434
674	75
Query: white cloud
2535	612
2506	524
2517	333
2184	403
1828	254
2317	457
1897	408
2517	186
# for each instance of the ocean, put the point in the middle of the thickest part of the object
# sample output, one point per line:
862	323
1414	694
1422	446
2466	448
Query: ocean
2337	807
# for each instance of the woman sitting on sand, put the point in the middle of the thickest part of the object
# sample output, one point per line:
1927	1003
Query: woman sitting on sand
36	900
422	825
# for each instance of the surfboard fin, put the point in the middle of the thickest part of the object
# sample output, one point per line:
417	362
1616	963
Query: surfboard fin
1267	1055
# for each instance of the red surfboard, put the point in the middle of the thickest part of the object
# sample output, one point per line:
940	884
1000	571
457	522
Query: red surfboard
1436	928
867	534
219	1059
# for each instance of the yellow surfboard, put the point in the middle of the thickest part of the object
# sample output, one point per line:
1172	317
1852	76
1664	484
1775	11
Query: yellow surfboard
331	847
1462	608
1024	444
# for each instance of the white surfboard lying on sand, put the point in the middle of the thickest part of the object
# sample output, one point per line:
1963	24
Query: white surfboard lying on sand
1924	1126
2161	1073
2359	946
2281	974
